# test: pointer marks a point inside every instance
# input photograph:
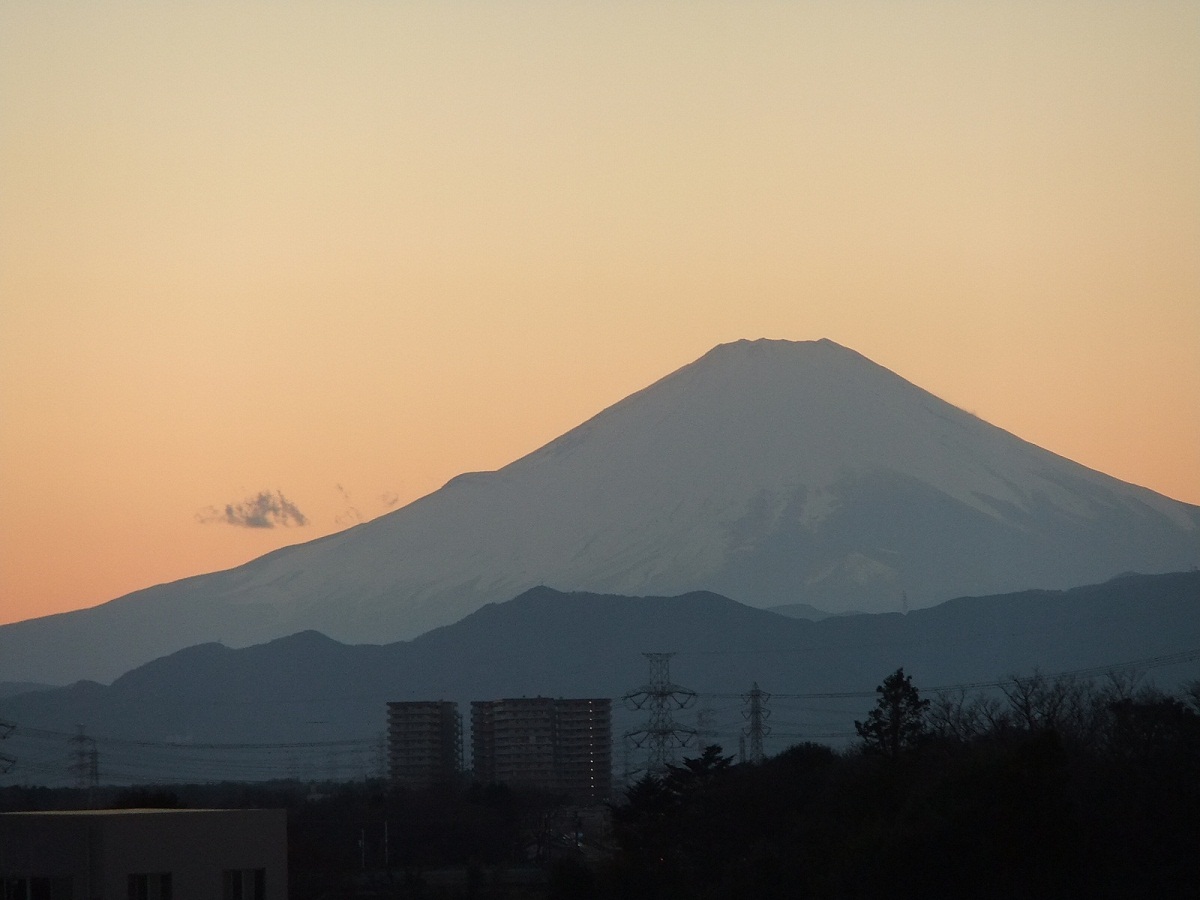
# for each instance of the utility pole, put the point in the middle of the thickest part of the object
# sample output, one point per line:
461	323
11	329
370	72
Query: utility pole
705	719
756	727
380	768
661	735
332	768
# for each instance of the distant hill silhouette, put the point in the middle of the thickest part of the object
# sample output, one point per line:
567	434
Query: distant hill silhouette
308	688
805	611
13	688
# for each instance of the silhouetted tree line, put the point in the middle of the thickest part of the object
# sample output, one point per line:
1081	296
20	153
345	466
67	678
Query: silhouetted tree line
1053	789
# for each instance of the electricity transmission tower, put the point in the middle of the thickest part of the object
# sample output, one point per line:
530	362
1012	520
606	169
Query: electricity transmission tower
661	736
756	728
85	764
6	761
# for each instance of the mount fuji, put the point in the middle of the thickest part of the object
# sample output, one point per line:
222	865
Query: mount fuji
772	472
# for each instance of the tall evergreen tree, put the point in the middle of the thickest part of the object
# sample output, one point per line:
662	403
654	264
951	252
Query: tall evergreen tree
898	721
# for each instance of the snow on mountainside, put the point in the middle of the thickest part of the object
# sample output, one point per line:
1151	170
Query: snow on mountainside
772	472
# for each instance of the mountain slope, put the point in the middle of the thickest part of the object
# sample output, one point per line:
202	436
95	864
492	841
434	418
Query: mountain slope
769	471
309	689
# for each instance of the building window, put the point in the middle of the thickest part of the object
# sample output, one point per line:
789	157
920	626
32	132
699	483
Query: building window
150	886
36	888
244	884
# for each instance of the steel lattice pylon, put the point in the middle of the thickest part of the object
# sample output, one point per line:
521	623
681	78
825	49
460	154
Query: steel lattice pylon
661	736
6	761
85	761
756	727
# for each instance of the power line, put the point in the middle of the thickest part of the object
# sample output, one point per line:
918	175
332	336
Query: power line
1152	662
661	735
189	745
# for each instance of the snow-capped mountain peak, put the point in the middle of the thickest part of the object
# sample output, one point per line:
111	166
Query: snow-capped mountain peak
773	472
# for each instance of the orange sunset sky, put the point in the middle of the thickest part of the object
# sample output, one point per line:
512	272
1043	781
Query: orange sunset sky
344	251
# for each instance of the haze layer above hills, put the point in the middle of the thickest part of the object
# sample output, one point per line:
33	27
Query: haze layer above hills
308	688
772	472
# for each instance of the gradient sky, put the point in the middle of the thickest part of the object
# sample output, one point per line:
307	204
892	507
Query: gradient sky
339	253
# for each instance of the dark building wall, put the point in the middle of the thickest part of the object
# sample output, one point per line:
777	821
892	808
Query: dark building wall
584	749
560	745
98	850
424	742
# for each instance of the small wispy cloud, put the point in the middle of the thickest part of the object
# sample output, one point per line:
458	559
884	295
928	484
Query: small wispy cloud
266	509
